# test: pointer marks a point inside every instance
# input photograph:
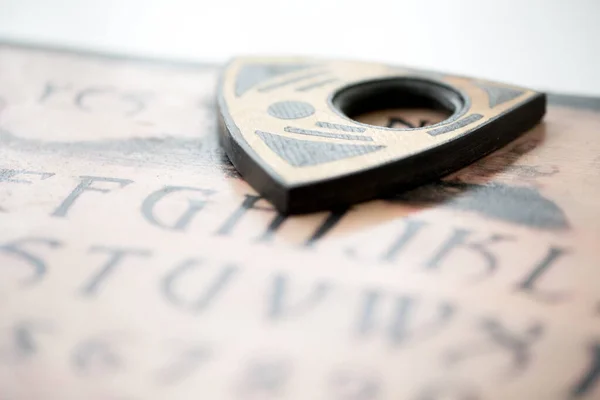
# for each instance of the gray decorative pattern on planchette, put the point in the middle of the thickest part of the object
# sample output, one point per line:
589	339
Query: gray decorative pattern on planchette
498	94
303	153
456	125
345	128
252	74
343	136
290	81
290	110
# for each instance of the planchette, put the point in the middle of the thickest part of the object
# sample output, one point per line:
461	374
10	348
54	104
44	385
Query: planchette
287	126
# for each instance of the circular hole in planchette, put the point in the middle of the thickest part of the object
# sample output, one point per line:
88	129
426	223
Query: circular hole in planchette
399	103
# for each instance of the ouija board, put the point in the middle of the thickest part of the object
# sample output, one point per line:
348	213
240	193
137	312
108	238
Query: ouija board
136	264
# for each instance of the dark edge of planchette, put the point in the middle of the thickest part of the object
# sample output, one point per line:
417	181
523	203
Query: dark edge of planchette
238	152
433	164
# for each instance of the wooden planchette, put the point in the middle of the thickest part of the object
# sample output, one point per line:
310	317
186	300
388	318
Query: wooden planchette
291	127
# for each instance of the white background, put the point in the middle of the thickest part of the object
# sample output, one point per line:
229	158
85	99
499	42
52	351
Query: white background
548	45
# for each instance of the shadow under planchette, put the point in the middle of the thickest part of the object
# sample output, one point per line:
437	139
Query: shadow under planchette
477	189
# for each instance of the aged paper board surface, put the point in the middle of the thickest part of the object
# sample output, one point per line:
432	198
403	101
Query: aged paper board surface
135	263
